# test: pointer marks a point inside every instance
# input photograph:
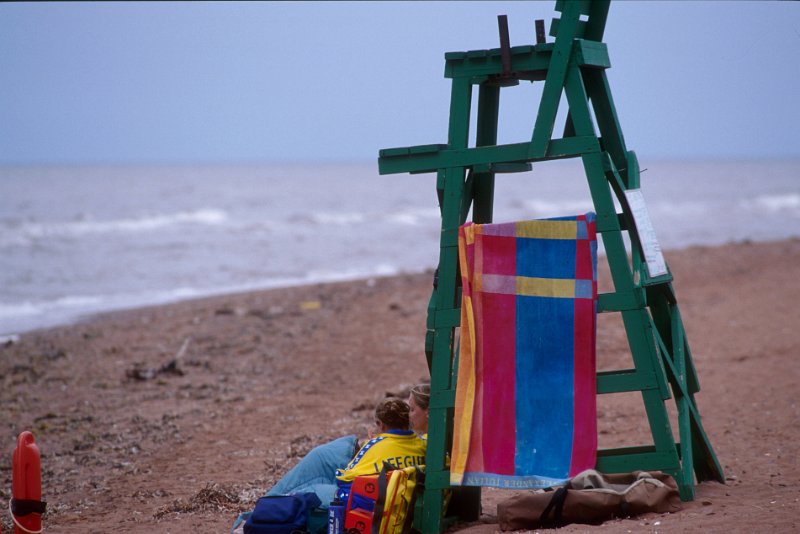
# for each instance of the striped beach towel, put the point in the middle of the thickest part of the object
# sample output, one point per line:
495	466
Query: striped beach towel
525	411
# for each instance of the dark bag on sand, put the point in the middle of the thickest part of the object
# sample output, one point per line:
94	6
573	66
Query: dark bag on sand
281	514
591	497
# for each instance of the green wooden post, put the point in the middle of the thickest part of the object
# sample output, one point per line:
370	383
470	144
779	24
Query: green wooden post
662	361
440	412
554	83
486	135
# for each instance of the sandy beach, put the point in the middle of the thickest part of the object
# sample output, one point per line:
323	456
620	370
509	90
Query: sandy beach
176	418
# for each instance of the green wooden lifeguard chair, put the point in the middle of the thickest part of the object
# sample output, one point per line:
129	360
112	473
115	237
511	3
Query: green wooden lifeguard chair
575	65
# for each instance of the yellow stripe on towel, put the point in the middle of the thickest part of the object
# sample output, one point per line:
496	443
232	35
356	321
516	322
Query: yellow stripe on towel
545	287
547	229
465	393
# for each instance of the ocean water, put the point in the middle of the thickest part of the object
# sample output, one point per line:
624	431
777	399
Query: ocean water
80	240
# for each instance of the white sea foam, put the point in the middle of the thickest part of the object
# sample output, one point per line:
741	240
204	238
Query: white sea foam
789	203
12	233
543	209
29	308
20	317
19	309
338	219
16	317
407	217
413	217
677	209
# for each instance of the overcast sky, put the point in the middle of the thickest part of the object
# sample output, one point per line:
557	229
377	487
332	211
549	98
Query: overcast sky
261	82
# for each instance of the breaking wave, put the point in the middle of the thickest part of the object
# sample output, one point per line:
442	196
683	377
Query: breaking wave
16	233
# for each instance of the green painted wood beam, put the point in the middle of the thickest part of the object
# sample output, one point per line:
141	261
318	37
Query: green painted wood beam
627	461
597	17
634	299
452	186
583	6
599	93
525	61
594	27
437	480
411	150
591	55
690	417
485	135
625	380
444	398
554	82
692	382
512	153
447	318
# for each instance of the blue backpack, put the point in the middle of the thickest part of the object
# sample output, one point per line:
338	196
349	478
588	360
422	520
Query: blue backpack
281	514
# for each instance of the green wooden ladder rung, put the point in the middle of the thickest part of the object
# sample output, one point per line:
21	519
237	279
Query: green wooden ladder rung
643	457
624	380
634	299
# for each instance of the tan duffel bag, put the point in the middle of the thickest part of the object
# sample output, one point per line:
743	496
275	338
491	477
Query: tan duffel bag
591	497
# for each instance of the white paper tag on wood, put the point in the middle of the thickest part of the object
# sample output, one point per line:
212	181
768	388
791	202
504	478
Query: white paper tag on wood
656	266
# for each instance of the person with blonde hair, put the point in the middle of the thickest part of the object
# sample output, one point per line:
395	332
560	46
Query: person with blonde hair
419	399
329	469
394	444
